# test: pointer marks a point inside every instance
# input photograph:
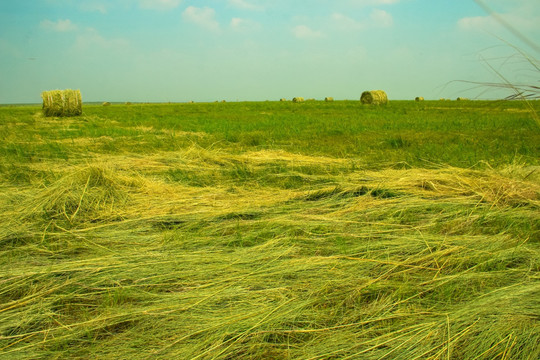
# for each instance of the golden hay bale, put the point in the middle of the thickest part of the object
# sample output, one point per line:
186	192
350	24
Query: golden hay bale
419	98
374	97
298	99
62	102
461	99
106	103
328	99
128	102
282	99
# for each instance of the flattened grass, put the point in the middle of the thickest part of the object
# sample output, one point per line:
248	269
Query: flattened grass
189	245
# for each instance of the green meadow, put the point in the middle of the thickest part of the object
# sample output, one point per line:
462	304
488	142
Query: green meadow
271	230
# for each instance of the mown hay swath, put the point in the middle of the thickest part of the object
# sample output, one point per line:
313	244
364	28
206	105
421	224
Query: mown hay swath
62	102
374	97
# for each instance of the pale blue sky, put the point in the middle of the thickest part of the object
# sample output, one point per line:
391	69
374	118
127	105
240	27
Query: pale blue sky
205	50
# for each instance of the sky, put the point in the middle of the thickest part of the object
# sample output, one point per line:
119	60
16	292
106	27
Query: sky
253	50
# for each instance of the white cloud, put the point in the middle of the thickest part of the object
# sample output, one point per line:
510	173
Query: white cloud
244	25
304	32
524	15
476	23
204	17
373	2
58	26
377	19
94	7
91	39
381	18
244	5
159	4
491	24
346	23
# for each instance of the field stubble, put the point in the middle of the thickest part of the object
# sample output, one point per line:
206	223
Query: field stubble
124	234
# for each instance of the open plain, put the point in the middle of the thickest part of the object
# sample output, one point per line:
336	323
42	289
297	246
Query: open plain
271	230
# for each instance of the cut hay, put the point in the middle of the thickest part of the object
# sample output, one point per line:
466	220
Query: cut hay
106	103
419	98
62	102
298	99
374	97
328	99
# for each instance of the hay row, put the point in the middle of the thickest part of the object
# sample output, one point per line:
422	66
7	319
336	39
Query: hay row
62	102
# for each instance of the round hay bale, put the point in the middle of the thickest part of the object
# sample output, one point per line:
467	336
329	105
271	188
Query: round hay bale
419	98
374	97
328	99
128	102
298	99
62	102
106	103
282	99
461	99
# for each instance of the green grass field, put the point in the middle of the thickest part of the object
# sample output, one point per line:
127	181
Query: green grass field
271	230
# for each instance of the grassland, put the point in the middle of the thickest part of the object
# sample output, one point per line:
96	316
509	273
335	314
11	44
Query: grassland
271	231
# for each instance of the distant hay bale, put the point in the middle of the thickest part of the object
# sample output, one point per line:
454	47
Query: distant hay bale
374	97
106	103
62	102
328	99
461	99
223	101
298	99
128	102
282	99
419	98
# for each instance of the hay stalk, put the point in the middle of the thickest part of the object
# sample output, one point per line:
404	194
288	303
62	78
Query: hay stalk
62	102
